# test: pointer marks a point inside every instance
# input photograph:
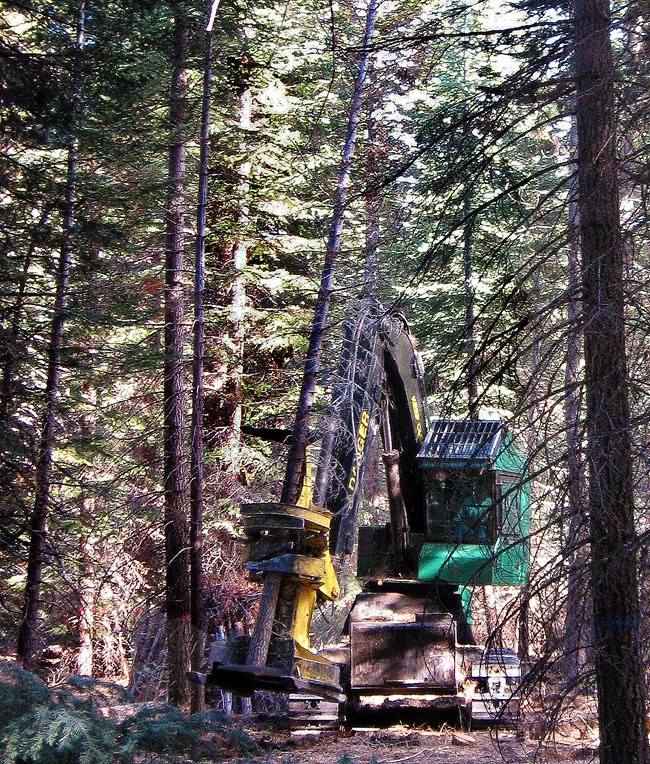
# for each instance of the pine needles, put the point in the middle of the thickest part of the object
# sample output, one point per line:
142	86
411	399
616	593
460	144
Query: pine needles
50	726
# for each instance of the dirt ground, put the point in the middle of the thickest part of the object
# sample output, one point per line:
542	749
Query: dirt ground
423	746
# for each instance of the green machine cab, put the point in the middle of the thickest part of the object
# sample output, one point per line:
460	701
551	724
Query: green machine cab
477	505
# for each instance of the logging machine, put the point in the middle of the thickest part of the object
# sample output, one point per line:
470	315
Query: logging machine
459	513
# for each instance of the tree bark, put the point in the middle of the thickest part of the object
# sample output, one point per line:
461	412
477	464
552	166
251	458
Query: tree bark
376	152
238	287
86	611
469	328
43	478
175	484
197	610
577	631
532	418
468	261
619	676
13	333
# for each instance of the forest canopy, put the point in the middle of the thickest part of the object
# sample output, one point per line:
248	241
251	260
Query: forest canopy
168	196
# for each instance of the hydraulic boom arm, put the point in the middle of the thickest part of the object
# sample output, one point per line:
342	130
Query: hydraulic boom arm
379	380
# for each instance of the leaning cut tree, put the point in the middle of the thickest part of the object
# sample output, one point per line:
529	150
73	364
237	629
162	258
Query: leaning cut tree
259	644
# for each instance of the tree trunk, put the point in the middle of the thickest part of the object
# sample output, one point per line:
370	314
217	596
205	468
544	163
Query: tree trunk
296	458
86	612
468	260
532	419
468	278
238	288
376	152
577	632
175	484
619	676
43	478
197	610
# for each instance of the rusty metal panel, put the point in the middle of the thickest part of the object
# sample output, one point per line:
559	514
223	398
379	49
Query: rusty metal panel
414	656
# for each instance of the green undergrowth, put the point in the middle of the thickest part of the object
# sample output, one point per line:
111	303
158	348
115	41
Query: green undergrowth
85	721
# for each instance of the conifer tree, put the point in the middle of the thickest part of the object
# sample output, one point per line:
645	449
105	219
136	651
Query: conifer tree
32	597
615	588
175	474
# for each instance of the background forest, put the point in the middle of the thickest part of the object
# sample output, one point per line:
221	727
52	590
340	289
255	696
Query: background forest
462	209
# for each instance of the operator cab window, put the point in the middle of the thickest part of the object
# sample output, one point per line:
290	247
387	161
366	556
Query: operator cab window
460	507
509	502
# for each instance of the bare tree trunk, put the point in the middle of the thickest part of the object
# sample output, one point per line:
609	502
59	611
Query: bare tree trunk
578	606
296	459
619	675
468	257
376	151
197	610
468	278
175	483
86	612
295	464
238	311
32	597
532	417
238	287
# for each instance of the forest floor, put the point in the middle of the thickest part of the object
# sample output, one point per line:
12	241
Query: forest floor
94	712
417	746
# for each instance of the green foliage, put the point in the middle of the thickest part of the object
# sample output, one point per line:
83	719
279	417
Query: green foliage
71	724
471	165
164	730
19	691
243	742
346	759
102	694
159	730
60	733
50	726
